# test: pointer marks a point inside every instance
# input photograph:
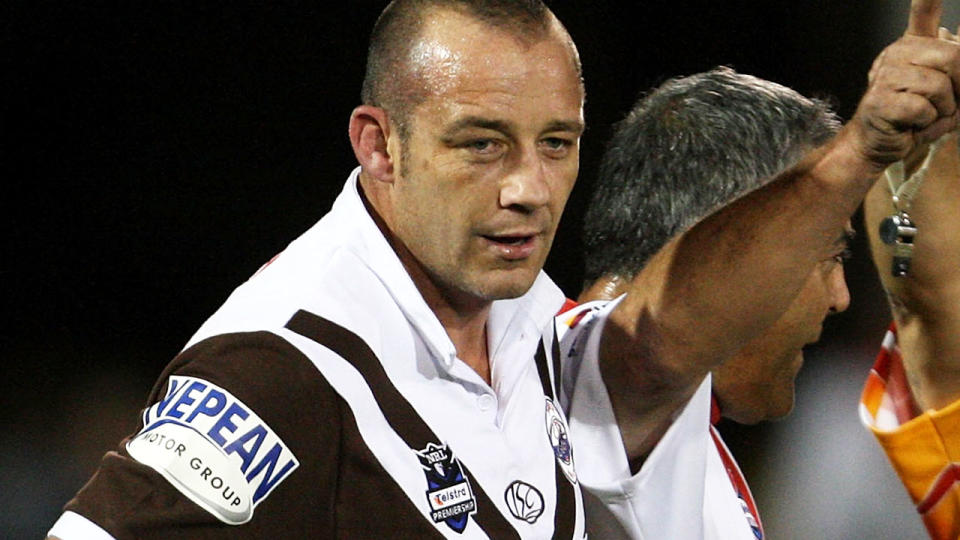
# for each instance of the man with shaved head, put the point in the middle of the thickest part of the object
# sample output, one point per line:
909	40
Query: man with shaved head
391	373
396	371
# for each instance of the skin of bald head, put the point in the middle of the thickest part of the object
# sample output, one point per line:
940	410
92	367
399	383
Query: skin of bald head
686	149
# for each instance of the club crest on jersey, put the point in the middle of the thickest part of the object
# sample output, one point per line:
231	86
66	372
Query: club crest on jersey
559	440
212	448
448	490
524	501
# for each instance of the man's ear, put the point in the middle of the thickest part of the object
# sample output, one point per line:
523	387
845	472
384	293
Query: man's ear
369	133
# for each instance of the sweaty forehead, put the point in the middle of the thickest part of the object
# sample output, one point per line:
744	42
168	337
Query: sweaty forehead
436	65
455	51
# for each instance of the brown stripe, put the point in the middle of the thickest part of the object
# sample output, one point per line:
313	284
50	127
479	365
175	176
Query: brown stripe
556	366
399	413
565	521
541	358
565	518
565	515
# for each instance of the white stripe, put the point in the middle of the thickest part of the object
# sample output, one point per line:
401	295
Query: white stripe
72	526
889	340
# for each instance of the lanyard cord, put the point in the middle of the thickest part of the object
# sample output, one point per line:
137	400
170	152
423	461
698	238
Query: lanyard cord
902	194
898	230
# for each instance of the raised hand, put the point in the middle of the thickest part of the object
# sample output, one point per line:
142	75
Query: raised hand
924	18
913	91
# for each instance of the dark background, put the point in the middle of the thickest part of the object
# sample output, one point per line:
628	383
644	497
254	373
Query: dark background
156	154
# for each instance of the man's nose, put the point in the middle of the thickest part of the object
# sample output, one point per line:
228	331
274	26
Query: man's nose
526	187
839	293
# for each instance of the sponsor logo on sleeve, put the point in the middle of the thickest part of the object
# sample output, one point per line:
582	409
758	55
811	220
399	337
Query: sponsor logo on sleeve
448	491
212	448
559	440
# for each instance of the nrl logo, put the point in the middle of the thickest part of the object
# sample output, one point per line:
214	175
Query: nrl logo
448	491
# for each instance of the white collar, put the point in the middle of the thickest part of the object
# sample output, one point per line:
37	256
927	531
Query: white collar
524	318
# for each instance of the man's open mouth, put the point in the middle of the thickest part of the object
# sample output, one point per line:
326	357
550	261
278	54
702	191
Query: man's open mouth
509	240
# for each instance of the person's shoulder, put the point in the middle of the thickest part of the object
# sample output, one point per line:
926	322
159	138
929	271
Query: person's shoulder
233	420
335	283
242	357
256	374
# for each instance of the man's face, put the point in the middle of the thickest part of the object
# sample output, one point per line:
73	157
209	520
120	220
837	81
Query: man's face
490	159
758	383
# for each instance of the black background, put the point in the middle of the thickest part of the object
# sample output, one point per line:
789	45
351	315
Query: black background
156	154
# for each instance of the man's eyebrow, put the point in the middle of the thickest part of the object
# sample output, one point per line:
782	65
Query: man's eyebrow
577	127
477	122
573	126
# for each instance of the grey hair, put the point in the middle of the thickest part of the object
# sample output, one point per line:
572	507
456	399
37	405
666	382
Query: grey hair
688	147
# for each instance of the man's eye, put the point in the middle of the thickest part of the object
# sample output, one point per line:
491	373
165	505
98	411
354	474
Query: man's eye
483	146
556	142
557	146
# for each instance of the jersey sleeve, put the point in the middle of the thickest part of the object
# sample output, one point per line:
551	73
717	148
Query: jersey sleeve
231	445
924	449
665	498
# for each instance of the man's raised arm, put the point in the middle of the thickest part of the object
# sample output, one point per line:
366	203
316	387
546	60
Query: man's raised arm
911	400
707	293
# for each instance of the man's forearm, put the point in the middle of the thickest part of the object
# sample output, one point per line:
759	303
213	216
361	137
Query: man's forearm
708	293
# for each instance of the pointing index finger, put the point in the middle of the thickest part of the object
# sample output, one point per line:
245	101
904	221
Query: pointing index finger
924	18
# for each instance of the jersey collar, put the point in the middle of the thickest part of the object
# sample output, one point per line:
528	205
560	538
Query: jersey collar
519	320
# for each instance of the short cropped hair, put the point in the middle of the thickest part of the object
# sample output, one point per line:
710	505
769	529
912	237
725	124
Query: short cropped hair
688	147
390	81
